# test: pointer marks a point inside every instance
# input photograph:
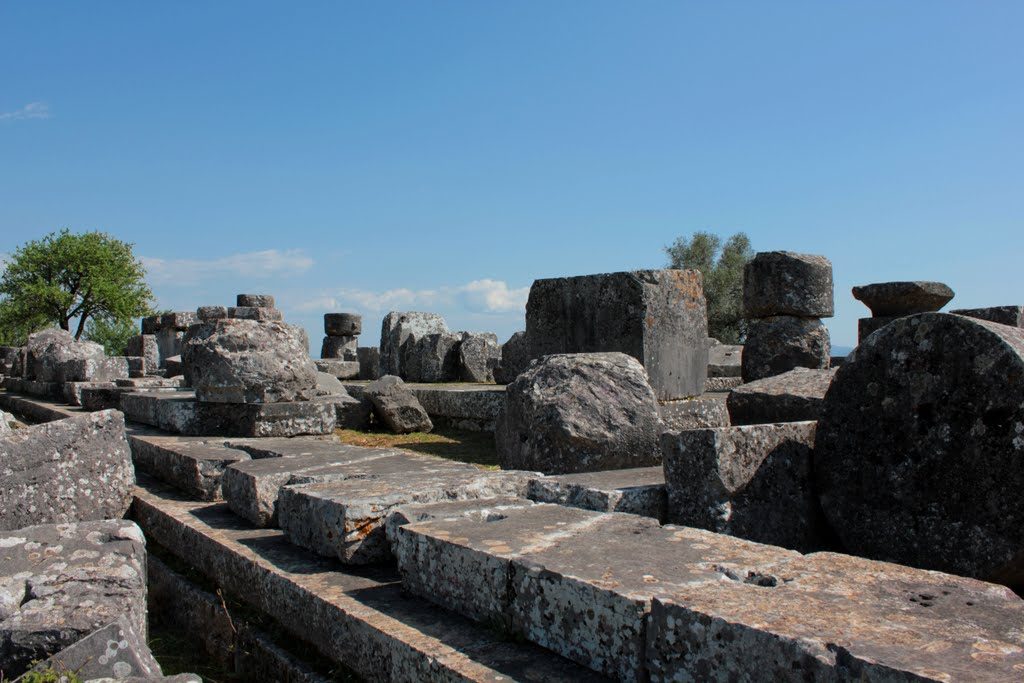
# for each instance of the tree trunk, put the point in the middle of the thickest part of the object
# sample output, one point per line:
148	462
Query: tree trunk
81	326
64	324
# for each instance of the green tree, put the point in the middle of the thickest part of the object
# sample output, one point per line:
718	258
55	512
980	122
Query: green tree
112	334
722	268
65	278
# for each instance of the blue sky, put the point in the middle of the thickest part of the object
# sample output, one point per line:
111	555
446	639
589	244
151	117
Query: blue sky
442	155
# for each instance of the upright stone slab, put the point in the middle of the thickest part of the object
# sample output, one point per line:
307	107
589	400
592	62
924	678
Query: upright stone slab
395	330
432	357
515	357
752	482
369	362
903	298
658	317
169	341
579	413
788	283
1004	315
69	470
779	344
146	346
479	355
919	456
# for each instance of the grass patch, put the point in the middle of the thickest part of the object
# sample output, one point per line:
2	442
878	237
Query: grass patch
177	653
475	448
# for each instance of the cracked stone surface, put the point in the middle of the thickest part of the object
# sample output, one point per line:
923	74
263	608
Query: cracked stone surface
778	344
787	283
793	396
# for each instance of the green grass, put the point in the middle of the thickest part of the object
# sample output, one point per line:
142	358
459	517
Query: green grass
476	448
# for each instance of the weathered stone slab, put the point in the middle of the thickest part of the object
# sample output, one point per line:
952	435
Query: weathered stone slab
178	320
71	392
255	300
251	487
725	360
257	313
169	342
432	357
515	357
136	366
579	413
720	384
343	324
786	283
638	491
114	652
60	582
476	508
42	389
396	406
244	361
209	313
793	396
754	482
694	413
462	406
867	326
55	356
360	618
395	330
1004	315
919	457
35	409
479	355
658	317
343	348
146	346
369	362
345	518
779	344
66	471
194	467
903	298
6	422
151	382
342	369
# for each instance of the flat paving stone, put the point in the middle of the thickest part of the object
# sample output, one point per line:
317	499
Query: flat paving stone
191	464
638	491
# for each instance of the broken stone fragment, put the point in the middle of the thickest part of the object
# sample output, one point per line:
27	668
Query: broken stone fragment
1004	315
919	455
178	320
343	324
579	413
903	298
793	396
50	352
479	355
208	313
515	357
396	406
432	357
69	470
787	283
151	324
339	347
369	362
255	300
396	329
695	413
114	652
258	313
336	367
778	344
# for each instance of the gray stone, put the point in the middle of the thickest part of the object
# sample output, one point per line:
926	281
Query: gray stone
754	482
1004	315
903	298
579	413
694	413
174	367
136	366
151	324
146	346
395	330
61	582
787	283
327	384
258	313
343	324
779	344
255	300
396	406
115	652
169	342
243	361
351	412
475	508
638	491
867	326
102	397
793	396
479	355
70	470
919	457
515	358
369	362
50	351
178	320
432	357
6	421
462	406
209	313
340	369
71	392
658	317
192	466
92	369
725	360
721	384
339	347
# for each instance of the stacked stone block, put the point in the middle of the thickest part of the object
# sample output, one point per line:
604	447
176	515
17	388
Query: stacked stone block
891	301
258	307
342	336
785	295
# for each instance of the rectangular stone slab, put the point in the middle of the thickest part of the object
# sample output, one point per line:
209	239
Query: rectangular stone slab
695	413
638	491
1004	315
362	619
345	519
754	482
190	464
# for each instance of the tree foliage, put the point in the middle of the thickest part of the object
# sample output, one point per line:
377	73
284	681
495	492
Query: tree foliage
65	278
722	268
112	334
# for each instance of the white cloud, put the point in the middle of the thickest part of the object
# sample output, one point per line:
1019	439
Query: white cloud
478	296
251	265
32	110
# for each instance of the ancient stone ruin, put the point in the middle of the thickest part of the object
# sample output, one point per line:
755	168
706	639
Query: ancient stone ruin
656	505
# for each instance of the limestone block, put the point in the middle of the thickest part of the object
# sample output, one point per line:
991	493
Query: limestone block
479	355
515	357
258	313
340	369
432	357
779	344
146	346
169	343
658	317
579	413
787	283
1004	315
638	491
194	467
178	320
255	301
694	413
343	324
396	406
793	396
725	360
151	324
369	362
209	313
339	347
395	330
49	352
903	298
867	326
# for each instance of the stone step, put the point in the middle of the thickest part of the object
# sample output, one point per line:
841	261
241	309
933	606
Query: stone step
695	413
638	491
460	405
35	409
632	599
193	465
364	619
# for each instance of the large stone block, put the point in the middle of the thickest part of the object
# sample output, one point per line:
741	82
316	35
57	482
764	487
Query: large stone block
338	368
50	351
579	413
754	482
793	396
255	300
209	313
178	320
919	457
61	582
102	369
151	324
638	491
515	357
787	283
244	361
257	313
70	470
903	298
868	326
694	413
395	330
344	348
194	467
725	360
146	346
115	652
396	406
369	362
169	342
779	344
1004	315
432	357
479	355
658	317
343	324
